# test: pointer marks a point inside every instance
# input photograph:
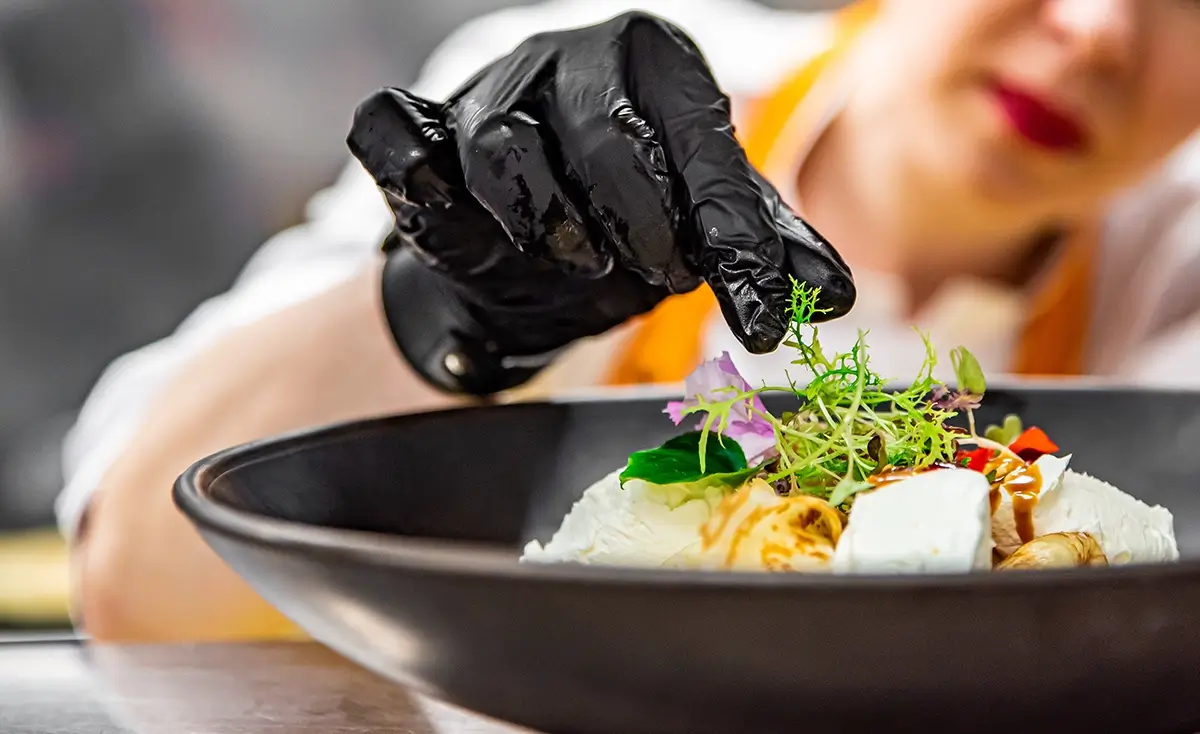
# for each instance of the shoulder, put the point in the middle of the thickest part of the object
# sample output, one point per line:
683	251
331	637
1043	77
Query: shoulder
749	47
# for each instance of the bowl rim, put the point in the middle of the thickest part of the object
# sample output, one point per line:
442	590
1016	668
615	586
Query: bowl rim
485	561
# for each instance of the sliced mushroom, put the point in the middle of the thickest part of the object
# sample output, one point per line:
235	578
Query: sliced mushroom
1056	550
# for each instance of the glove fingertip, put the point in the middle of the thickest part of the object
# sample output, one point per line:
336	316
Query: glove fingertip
762	340
836	292
838	295
754	318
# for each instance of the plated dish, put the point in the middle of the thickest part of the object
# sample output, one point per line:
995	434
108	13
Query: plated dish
858	479
389	542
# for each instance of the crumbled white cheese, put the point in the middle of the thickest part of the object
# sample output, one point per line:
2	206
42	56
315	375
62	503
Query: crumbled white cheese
752	529
1128	530
625	526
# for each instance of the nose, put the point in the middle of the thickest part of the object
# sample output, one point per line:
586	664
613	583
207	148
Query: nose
1100	32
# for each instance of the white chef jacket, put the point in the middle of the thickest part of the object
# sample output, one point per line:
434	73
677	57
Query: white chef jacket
1151	243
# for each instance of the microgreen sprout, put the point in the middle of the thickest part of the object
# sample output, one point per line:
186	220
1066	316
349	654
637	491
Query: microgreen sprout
848	425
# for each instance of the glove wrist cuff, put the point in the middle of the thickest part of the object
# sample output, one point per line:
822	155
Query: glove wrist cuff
437	335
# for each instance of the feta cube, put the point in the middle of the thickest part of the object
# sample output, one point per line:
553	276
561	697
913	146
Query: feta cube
933	522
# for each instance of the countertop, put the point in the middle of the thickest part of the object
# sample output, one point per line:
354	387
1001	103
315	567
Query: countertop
292	688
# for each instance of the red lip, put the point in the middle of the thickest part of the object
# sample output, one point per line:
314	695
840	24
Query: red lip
1038	122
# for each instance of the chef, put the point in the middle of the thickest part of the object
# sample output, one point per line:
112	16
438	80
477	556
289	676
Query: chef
563	201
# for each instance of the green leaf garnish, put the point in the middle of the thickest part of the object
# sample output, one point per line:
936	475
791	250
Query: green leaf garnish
691	458
845	489
1007	433
967	371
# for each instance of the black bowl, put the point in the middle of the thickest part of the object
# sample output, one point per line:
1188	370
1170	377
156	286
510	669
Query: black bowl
395	542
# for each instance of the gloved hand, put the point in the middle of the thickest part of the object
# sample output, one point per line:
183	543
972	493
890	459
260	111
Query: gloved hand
569	186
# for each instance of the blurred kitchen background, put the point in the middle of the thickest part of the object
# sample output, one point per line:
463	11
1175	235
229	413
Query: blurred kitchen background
147	147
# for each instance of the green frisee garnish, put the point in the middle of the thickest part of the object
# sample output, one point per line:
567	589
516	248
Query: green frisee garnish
848	426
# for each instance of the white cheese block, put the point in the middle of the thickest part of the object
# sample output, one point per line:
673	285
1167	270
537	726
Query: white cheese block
934	522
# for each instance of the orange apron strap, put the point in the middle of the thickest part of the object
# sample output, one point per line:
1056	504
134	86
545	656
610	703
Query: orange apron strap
665	345
769	116
1055	336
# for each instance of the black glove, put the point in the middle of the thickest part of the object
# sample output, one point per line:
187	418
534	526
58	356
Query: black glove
569	186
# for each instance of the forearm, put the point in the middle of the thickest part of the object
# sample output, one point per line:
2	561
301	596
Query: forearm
142	572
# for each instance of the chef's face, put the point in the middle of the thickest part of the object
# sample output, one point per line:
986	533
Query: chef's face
1049	104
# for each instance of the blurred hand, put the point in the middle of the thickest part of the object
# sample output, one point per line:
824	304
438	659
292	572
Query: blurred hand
567	187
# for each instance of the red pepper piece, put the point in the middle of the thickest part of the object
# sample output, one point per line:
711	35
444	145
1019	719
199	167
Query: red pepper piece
975	460
1033	444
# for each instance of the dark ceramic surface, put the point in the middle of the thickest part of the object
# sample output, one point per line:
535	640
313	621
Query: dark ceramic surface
395	542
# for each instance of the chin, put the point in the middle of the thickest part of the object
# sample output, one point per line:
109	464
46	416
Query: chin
992	167
1005	179
965	170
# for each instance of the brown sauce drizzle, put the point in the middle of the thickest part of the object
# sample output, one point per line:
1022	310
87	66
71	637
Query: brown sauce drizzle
1023	482
709	535
1025	486
889	474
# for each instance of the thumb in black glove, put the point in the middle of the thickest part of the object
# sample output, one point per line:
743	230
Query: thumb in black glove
567	187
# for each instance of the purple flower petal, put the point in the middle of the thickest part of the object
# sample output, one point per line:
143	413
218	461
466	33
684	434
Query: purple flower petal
756	437
675	409
717	380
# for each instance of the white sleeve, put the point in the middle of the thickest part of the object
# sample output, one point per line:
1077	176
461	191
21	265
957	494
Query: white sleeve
1169	353
748	46
1157	288
1168	361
